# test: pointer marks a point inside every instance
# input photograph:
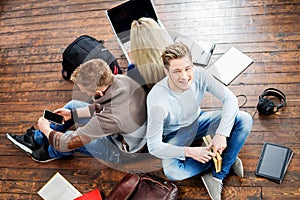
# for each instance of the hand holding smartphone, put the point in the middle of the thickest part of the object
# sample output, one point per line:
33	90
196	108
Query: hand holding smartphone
53	117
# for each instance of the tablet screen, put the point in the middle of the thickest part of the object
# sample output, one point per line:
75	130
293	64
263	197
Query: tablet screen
273	161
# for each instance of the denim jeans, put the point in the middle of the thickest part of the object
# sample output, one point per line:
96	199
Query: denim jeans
206	123
102	148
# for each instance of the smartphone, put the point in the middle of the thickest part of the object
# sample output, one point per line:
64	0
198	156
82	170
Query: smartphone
53	117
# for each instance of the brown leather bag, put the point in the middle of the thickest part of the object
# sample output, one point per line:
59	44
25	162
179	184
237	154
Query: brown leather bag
135	187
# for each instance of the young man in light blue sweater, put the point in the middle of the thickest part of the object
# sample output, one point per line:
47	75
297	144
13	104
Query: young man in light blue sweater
175	121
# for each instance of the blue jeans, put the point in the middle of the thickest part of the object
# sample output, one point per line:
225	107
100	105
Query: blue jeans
102	148
207	123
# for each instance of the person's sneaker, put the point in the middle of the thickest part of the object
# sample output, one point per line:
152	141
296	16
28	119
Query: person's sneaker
238	168
213	186
41	154
24	142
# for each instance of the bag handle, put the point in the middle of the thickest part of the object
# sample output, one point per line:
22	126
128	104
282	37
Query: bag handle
125	188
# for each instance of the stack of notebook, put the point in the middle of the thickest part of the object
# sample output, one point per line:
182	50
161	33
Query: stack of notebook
217	159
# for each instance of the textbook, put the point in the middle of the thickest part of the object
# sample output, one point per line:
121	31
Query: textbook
274	161
230	65
217	159
58	188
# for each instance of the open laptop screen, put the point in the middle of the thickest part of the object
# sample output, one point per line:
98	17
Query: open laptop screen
121	16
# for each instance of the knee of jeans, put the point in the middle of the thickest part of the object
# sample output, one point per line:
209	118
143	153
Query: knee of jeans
246	120
75	104
70	104
174	173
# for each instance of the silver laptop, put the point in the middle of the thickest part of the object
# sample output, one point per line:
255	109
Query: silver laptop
122	15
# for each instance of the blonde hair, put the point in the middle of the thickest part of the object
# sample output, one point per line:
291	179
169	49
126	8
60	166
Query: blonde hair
147	41
92	74
175	51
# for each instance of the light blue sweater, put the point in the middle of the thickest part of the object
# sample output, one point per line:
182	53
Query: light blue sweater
169	111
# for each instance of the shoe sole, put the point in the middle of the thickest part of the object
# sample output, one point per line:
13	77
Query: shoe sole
44	161
19	145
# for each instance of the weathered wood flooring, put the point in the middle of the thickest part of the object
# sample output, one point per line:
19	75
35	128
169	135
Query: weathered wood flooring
34	34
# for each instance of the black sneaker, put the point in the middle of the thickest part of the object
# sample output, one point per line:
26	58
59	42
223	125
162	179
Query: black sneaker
41	154
24	142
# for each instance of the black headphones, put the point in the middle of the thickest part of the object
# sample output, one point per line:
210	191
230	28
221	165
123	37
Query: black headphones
265	106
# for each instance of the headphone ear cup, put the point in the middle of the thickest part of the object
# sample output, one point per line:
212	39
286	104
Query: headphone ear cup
265	106
261	103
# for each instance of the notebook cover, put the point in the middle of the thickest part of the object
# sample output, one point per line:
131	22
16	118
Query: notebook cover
273	162
91	195
230	65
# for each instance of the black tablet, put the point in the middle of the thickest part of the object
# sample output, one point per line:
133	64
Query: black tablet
273	162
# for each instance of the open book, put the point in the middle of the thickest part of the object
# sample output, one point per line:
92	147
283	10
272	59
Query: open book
58	188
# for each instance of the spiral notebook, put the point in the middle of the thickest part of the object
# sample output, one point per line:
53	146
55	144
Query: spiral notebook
274	161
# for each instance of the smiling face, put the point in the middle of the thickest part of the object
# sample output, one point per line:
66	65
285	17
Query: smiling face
178	66
180	74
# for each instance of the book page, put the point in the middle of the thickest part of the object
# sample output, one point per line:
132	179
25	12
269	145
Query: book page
58	188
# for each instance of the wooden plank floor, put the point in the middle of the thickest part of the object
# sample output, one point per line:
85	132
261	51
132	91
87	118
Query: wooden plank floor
34	34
